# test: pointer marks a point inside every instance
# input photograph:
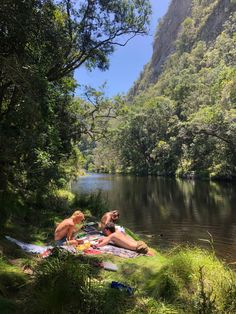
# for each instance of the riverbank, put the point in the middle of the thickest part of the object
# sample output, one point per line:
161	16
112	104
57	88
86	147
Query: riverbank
183	280
188	175
183	211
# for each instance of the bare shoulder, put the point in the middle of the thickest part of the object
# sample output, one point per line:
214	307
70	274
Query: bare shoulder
68	222
116	235
104	216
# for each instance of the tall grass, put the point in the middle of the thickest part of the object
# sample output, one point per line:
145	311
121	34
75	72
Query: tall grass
190	280
71	284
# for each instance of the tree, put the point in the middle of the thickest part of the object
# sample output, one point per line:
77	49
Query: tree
41	43
146	135
94	28
216	127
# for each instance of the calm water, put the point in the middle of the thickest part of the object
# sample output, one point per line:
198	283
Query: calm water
167	211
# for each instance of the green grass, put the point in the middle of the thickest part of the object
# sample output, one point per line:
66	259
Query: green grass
189	280
173	283
64	282
184	280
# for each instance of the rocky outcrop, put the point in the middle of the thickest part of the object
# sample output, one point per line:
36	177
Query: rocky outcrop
168	31
166	35
215	21
164	43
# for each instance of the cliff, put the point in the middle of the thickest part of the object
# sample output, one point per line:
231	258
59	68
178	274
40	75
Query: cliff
208	16
164	43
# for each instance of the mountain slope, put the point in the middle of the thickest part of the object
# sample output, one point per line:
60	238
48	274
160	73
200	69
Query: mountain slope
208	16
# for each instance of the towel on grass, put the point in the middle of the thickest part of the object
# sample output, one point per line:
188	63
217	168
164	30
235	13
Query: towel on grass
37	249
107	249
118	251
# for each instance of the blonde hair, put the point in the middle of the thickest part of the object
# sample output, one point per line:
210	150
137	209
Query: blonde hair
77	213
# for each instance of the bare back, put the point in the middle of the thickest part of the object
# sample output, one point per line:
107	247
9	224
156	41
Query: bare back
63	228
105	219
122	240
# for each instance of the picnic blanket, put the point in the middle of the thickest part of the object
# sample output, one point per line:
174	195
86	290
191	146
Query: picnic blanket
118	251
108	249
37	249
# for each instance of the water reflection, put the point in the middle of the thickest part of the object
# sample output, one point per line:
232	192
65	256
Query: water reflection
183	211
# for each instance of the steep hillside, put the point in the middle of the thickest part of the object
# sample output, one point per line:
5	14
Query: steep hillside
164	43
181	115
208	18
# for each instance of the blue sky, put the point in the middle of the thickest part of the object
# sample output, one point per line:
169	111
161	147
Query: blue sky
127	62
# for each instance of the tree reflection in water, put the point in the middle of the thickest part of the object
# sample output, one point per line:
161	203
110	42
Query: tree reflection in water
182	210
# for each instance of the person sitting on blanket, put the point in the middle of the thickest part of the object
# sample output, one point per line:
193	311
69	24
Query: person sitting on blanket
65	230
121	239
111	216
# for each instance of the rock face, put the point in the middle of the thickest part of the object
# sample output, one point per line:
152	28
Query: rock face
214	24
169	29
166	35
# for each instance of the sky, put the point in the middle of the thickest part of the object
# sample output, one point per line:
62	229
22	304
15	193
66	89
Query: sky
127	62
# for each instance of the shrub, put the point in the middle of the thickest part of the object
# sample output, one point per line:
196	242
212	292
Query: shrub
205	299
71	284
229	300
62	284
95	203
59	200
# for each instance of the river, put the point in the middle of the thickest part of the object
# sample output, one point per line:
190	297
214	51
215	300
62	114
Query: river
167	212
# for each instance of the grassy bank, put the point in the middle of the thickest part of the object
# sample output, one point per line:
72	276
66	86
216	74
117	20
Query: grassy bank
184	280
188	281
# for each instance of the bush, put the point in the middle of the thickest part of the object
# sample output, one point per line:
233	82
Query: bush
95	203
71	284
196	278
59	200
62	284
229	300
205	299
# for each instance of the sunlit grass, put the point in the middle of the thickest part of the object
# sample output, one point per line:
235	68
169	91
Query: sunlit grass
181	280
173	282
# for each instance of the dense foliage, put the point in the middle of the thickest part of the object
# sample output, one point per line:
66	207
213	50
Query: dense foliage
185	123
42	42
